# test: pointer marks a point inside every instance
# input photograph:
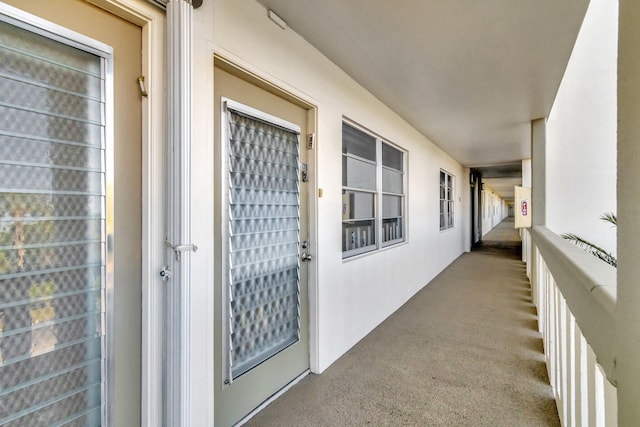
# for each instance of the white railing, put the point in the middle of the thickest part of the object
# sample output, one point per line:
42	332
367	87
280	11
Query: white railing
575	295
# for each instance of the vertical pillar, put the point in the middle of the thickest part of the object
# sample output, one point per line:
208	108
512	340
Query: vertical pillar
178	213
538	172
628	198
538	188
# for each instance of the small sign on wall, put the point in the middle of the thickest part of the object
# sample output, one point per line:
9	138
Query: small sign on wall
522	207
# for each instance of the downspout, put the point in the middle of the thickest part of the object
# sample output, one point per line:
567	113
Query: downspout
179	245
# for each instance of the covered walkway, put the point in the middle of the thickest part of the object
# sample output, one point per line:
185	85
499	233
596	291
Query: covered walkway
464	351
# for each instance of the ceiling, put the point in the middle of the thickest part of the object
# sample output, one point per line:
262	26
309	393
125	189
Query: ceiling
468	74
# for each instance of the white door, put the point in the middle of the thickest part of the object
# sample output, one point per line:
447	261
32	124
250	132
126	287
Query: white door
70	216
262	334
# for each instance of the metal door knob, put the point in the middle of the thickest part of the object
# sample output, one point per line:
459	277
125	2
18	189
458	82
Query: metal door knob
306	257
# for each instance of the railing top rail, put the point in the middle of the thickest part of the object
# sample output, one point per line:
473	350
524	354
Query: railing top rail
589	287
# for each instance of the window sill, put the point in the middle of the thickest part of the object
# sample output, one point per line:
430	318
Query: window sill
374	251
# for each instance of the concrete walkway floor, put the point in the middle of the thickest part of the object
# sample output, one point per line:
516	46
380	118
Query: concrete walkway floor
464	351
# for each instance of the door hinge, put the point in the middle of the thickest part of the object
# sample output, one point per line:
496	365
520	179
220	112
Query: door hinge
143	89
311	141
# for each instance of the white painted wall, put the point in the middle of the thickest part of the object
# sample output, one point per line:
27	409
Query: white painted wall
581	133
353	296
494	209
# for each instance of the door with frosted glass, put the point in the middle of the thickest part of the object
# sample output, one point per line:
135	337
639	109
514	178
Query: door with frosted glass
262	313
70	227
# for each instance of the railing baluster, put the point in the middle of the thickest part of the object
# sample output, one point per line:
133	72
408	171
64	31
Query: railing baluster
583	394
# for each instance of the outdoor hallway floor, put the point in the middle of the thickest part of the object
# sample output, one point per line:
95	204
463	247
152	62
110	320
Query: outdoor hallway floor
464	351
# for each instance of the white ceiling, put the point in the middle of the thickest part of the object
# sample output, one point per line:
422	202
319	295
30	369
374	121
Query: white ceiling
468	74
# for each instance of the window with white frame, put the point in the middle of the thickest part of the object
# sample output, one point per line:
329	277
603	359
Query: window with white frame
373	195
446	200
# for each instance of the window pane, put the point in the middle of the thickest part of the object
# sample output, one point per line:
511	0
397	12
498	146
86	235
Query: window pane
52	241
358	143
391	181
361	174
392	229
391	157
442	178
358	235
391	206
357	205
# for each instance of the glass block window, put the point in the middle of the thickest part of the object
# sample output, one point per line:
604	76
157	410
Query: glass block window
373	197
52	231
446	200
264	238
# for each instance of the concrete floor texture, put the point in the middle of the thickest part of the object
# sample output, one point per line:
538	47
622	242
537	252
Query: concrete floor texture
464	351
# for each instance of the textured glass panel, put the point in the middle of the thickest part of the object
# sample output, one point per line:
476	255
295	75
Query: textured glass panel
45	153
264	215
357	205
391	206
358	143
49	100
391	157
361	174
391	181
48	63
52	259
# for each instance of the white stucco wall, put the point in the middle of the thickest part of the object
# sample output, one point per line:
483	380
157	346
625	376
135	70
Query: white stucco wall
353	296
581	133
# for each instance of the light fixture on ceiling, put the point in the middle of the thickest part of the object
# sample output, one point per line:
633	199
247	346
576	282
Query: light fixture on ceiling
277	20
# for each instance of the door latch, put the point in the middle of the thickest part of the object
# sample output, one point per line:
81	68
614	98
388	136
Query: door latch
306	257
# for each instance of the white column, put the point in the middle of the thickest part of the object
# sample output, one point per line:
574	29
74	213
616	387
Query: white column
538	172
178	210
628	301
538	185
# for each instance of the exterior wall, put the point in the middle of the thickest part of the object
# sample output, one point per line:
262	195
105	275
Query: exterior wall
627	313
352	296
581	133
494	209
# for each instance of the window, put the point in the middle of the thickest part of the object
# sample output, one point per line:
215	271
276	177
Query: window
373	197
446	200
264	236
53	254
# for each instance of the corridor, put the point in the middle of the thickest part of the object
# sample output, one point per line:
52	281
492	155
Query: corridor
464	351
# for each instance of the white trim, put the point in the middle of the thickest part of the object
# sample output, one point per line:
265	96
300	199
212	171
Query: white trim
260	115
152	22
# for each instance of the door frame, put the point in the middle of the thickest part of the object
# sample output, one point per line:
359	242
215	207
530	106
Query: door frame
229	62
152	22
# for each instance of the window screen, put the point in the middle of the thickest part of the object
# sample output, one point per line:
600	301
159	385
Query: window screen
52	232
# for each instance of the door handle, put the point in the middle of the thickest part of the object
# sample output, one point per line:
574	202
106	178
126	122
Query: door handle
306	257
